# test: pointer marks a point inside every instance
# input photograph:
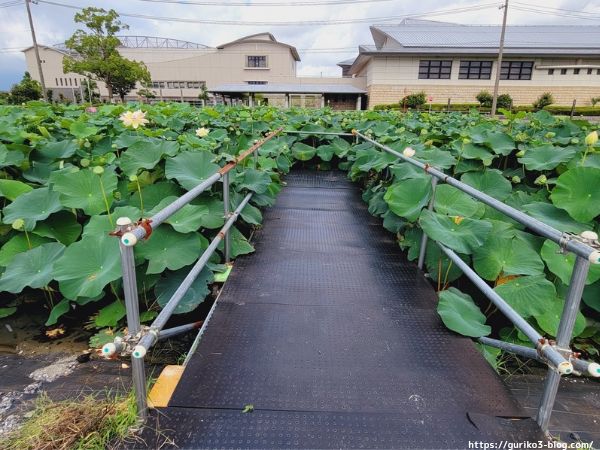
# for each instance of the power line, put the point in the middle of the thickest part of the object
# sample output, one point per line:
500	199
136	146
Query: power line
556	12
295	3
301	23
10	4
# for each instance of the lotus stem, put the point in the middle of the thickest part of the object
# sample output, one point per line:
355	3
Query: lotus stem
28	240
139	189
106	201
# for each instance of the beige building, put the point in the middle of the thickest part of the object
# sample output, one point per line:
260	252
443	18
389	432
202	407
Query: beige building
252	69
451	61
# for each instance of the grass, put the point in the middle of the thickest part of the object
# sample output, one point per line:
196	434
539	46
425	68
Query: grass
91	422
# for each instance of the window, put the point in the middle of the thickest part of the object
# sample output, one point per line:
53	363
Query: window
475	70
161	84
61	81
256	82
56	80
256	61
182	84
576	71
435	69
563	71
75	79
590	71
170	84
196	84
598	72
516	70
550	71
70	81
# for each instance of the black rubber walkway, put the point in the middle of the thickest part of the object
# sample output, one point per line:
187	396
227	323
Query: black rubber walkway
334	339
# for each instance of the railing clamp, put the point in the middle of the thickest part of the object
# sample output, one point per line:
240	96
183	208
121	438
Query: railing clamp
587	237
565	367
127	345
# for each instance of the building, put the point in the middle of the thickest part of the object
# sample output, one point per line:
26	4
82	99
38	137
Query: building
253	69
452	61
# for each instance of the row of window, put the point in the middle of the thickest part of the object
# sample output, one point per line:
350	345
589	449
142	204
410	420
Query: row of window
67	82
575	71
256	61
256	82
178	84
475	70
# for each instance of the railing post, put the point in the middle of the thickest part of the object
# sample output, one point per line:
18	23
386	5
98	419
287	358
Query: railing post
563	337
573	108
226	241
133	318
434	181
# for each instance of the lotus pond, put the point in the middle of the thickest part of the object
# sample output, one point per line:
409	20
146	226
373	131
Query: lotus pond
67	174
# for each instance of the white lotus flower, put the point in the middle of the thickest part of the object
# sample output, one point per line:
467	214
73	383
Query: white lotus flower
202	132
409	152
591	139
134	119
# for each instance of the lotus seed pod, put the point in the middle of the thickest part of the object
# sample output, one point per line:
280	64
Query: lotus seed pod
521	153
575	141
98	170
84	162
591	138
87	144
541	180
550	135
133	178
114	146
516	179
466	141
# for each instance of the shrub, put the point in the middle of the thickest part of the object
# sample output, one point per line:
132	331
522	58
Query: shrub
414	100
485	99
504	101
546	99
27	89
595	100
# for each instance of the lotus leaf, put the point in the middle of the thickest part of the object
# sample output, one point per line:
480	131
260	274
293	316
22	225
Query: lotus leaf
407	198
460	314
32	207
11	189
561	264
86	190
528	295
303	152
32	268
492	182
547	157
578	192
460	234
195	295
191	168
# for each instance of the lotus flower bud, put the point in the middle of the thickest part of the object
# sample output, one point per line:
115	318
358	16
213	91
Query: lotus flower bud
466	141
591	139
18	224
516	179
98	170
521	153
409	152
550	135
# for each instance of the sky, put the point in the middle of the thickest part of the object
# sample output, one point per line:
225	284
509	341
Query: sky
320	47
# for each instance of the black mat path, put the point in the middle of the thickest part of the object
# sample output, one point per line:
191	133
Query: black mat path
333	337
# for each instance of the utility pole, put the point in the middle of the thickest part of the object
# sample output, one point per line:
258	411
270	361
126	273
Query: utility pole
36	50
499	64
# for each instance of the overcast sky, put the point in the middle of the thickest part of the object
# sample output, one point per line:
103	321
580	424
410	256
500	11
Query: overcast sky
54	24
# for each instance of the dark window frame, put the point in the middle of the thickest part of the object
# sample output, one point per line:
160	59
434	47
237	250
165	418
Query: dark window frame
256	82
435	69
256	61
576	71
563	71
475	70
516	70
589	71
550	71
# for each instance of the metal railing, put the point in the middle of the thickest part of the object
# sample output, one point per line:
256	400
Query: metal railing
557	355
140	338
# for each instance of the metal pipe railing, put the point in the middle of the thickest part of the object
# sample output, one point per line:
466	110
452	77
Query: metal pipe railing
579	248
317	133
142	230
175	331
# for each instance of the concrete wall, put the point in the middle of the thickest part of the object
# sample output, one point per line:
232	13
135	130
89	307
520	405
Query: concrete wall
389	78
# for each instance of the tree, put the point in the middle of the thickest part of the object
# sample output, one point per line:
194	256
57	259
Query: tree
203	95
28	89
97	54
146	93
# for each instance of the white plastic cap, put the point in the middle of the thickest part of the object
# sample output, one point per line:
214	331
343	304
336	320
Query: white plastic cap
565	368
129	239
139	352
123	221
595	257
109	349
589	235
594	370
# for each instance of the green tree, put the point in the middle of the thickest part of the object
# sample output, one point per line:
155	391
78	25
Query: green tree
97	54
146	93
27	89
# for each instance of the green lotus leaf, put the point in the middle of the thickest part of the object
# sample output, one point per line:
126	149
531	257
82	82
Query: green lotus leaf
239	243
9	311
555	217
504	253
340	146
191	168
490	354
475	151
11	189
439	266
86	190
460	314
528	295
436	157
325	152
166	287
577	191
62	226
57	150
32	268
404	171
81	131
561	264
140	156
32	207
492	182
377	204
188	219
87	266
168	249
392	222
153	194
254	180
407	198
303	152
59	310
19	244
501	143
375	160
453	202
550	318
591	296
110	315
547	157
463	235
